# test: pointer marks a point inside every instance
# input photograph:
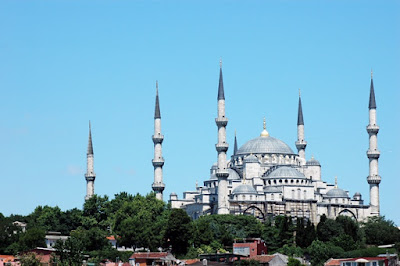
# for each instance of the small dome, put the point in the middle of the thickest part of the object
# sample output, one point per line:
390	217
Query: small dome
272	190
312	161
285	172
263	145
244	189
337	193
213	177
357	194
173	194
233	175
214	166
251	159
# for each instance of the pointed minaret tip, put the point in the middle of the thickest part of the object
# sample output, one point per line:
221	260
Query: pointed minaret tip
157	113
235	146
90	145
221	94
300	119
372	102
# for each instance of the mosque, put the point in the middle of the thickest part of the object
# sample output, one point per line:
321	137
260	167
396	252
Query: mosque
264	177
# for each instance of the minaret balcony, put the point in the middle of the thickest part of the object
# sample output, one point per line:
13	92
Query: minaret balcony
90	177
158	138
374	179
374	129
373	154
221	121
222	173
301	145
158	186
158	162
222	147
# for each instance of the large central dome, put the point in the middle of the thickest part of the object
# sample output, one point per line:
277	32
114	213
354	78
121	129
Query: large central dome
263	145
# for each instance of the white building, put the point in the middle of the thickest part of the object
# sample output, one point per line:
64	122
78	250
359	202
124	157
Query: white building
265	177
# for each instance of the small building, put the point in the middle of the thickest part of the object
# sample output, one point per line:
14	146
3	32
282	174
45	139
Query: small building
381	260
52	237
151	258
249	247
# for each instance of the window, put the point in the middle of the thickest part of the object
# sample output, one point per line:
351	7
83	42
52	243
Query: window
272	196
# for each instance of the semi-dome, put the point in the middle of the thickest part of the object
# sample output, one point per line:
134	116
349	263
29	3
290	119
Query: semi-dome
312	161
336	193
244	189
251	159
263	145
233	175
285	172
272	189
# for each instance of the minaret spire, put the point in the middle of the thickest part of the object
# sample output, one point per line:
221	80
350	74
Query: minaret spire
235	147
373	153
301	143
90	176
158	161
222	148
157	113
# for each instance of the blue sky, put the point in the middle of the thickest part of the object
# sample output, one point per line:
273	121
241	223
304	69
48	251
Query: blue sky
63	63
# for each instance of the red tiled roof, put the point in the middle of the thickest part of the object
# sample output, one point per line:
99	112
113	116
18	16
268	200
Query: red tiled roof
365	258
111	237
261	258
333	262
145	255
7	258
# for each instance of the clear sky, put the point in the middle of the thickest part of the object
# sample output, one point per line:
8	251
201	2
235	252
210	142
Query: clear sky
63	63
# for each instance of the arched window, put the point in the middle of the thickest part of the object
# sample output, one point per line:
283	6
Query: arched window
298	193
292	193
272	196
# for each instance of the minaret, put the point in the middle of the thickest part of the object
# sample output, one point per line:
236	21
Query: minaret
158	161
301	143
90	176
235	146
373	153
222	148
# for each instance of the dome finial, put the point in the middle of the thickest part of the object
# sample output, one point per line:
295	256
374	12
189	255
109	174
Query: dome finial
264	133
336	186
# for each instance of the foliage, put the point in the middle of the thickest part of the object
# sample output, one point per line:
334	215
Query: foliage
320	252
293	262
69	252
29	259
178	231
246	263
380	231
141	222
225	228
291	250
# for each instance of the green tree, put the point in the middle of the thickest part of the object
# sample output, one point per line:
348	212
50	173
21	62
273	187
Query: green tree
328	229
349	226
32	238
69	252
320	252
379	231
178	231
270	234
141	222
293	262
95	212
29	259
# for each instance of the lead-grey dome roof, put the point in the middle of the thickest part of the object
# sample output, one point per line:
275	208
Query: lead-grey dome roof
272	189
262	145
312	161
233	175
244	189
337	193
251	159
285	172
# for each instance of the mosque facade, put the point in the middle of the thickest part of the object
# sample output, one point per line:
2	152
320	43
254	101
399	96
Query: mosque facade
264	177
